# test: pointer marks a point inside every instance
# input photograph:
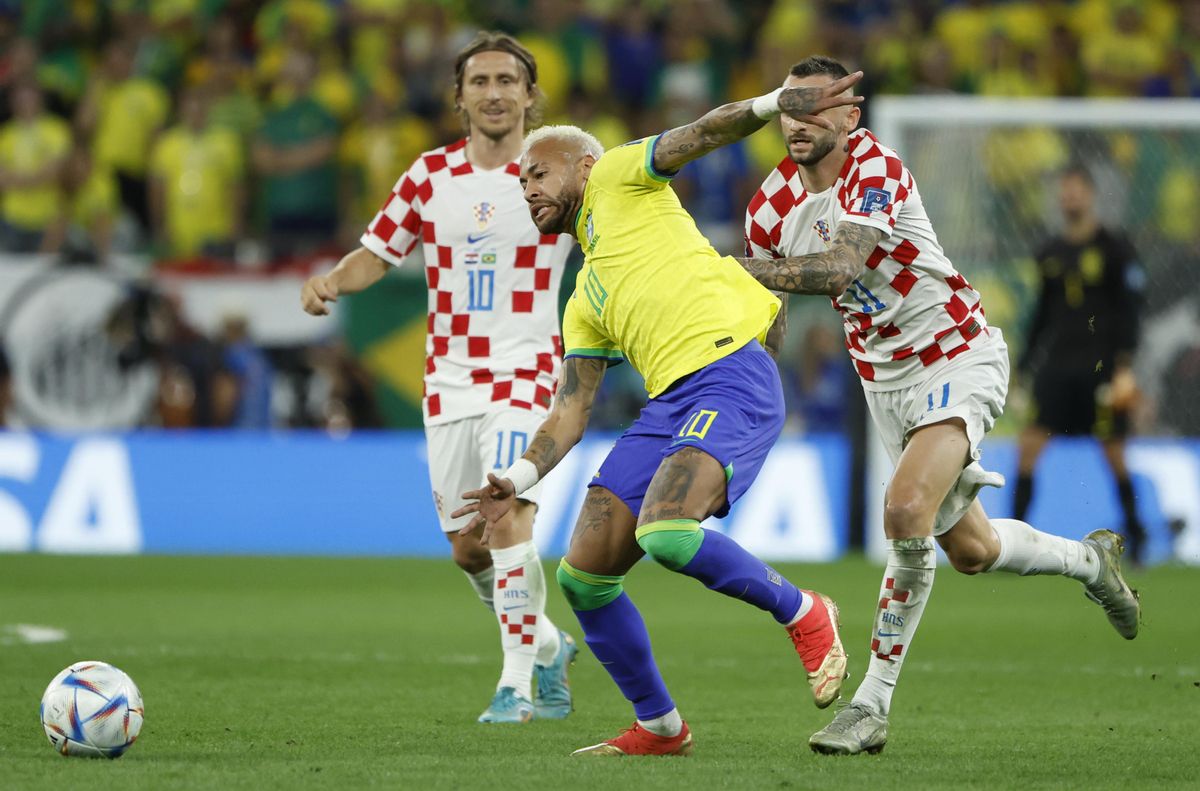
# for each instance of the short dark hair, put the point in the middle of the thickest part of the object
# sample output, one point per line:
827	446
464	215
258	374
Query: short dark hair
496	41
819	64
1080	171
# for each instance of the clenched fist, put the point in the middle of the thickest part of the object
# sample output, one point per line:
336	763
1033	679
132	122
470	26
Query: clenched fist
318	290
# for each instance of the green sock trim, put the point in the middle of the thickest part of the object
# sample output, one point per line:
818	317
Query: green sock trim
689	525
728	472
584	591
671	542
588	578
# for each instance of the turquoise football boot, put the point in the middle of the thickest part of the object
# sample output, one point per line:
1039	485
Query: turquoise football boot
553	698
508	705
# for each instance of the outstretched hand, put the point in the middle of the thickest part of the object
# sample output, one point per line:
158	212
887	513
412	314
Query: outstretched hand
807	104
490	505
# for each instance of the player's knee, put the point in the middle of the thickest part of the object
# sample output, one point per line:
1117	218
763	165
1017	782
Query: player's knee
970	559
470	556
672	543
907	516
584	591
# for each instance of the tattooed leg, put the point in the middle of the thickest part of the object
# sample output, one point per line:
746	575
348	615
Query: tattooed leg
591	576
603	541
688	487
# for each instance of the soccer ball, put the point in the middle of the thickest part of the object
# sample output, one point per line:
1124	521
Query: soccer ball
92	709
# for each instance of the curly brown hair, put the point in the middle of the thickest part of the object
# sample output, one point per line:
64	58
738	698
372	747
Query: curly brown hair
495	41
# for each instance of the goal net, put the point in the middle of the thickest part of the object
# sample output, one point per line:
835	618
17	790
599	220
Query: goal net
987	170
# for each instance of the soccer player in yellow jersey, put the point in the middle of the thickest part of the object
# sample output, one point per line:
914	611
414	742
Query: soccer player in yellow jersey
653	292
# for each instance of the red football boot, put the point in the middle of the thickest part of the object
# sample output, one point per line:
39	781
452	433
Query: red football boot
639	741
820	648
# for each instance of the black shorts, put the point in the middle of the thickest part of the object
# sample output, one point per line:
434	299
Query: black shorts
1070	403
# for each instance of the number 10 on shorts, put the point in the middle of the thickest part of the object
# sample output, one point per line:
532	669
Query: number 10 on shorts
698	423
515	442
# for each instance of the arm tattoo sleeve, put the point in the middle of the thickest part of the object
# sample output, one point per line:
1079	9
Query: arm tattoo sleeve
830	272
543	452
729	123
724	125
778	330
572	407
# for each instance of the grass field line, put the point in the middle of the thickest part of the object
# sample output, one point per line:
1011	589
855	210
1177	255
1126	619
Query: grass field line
30	633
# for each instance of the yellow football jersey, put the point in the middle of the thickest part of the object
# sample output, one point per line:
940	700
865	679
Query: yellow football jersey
27	148
652	289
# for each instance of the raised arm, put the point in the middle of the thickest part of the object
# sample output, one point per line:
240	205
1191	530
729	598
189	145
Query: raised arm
731	122
560	431
830	272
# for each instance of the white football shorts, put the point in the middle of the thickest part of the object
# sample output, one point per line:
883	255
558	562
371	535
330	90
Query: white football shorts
463	452
972	388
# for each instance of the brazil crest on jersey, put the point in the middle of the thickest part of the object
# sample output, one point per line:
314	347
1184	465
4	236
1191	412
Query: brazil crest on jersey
652	290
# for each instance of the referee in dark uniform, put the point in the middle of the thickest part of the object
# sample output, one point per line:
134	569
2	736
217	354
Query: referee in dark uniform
1079	349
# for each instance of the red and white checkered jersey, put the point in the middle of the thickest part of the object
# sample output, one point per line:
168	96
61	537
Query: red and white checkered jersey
493	332
909	310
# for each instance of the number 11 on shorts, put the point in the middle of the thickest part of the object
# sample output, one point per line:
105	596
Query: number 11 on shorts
944	397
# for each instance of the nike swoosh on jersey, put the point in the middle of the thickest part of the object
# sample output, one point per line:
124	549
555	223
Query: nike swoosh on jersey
473	239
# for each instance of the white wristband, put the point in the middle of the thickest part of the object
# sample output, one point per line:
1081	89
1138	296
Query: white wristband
766	106
523	474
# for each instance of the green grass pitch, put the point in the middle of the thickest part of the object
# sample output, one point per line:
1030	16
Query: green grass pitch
318	673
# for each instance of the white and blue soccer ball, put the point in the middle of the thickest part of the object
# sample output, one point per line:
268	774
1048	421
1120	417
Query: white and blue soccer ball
92	709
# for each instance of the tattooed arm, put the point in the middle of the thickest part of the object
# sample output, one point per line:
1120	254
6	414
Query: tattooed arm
731	122
559	432
778	330
564	426
830	272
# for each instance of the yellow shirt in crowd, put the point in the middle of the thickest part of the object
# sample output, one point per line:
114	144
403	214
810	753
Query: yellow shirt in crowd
27	148
130	113
200	170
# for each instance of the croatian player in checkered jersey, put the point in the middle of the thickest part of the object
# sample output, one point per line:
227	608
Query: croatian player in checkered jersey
842	216
493	350
655	293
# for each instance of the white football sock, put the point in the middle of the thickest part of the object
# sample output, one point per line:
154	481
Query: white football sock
807	599
548	643
907	582
669	724
520	601
1026	551
482	582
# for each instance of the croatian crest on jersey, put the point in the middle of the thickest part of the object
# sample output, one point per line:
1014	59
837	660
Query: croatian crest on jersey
483	212
875	199
822	229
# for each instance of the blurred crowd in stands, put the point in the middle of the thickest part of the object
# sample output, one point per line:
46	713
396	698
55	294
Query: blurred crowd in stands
242	134
240	130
